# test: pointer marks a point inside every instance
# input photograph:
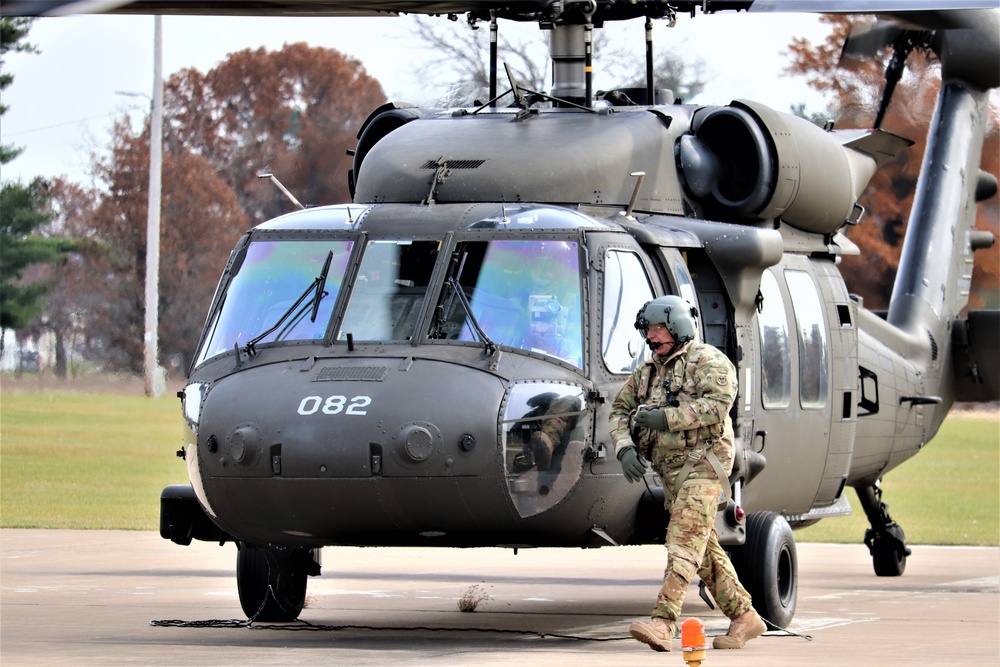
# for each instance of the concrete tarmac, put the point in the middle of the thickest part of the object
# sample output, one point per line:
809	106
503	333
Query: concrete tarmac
97	597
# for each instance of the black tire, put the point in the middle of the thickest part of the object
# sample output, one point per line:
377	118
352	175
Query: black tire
888	557
271	587
767	565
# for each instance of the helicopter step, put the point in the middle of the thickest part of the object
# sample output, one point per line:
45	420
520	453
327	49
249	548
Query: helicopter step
182	519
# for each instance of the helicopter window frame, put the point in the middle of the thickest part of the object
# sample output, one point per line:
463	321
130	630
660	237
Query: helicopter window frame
367	284
811	334
529	217
232	310
775	345
545	425
679	281
500	286
685	284
618	331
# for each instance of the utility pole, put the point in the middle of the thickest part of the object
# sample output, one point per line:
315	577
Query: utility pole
154	373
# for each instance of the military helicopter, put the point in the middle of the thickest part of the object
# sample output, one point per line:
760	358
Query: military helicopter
432	363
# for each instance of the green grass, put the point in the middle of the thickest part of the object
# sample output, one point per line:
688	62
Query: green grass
77	460
948	494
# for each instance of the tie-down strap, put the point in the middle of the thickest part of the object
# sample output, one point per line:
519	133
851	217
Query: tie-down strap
694	456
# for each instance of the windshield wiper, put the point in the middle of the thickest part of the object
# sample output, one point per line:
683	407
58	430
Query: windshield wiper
320	286
316	287
464	300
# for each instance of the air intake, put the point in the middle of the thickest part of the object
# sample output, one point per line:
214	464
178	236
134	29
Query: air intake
453	164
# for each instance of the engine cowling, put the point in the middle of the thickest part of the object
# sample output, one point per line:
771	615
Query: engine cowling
749	162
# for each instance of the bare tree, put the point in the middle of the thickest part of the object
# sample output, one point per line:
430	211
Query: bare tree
463	54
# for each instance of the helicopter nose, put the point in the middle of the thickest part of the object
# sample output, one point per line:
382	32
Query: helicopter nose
324	426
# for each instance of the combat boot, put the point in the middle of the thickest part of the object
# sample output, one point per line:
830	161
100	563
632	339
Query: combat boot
657	634
523	462
741	630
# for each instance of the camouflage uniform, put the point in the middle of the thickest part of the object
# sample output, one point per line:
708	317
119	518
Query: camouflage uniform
550	434
704	382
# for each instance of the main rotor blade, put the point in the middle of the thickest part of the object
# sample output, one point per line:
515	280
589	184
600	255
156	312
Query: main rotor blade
608	10
263	7
864	6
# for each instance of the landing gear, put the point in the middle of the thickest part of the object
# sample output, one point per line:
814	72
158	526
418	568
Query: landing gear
272	581
885	539
767	566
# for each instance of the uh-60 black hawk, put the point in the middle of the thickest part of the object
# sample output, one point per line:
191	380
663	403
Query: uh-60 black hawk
432	364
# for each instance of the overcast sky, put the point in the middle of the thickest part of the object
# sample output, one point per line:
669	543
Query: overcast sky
63	100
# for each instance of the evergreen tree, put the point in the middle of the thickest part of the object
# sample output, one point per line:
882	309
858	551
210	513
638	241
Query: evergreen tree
23	210
13	30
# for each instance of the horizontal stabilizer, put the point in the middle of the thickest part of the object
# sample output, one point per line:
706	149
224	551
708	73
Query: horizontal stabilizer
882	146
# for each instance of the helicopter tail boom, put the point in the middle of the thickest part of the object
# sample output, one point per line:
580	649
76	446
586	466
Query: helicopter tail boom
935	267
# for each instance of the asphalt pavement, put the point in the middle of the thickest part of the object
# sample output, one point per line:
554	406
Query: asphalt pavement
128	598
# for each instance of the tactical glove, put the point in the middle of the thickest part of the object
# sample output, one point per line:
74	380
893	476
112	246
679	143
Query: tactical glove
654	419
632	464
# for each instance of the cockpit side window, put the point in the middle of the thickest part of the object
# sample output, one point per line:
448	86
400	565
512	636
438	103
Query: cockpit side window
389	289
521	293
626	289
275	286
684	284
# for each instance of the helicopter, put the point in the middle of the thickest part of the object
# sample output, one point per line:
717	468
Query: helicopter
433	363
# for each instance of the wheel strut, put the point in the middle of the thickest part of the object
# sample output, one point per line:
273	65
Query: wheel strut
885	539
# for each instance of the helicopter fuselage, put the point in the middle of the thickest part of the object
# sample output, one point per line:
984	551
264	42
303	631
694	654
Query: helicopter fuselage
433	364
402	400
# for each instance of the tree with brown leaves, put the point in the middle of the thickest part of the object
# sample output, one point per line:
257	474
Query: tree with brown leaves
104	286
293	112
856	87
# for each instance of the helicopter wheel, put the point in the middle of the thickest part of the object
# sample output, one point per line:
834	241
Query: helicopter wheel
767	566
272	586
888	555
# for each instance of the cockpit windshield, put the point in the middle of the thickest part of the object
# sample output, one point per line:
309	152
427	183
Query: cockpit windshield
271	277
522	293
389	289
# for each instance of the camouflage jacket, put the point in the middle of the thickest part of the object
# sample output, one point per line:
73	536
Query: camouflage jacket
704	382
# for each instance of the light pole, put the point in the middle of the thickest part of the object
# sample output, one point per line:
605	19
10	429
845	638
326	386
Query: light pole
154	373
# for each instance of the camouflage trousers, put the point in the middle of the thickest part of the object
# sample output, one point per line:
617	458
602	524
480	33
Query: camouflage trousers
693	548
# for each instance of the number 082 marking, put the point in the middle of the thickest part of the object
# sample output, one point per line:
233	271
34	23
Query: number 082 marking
334	405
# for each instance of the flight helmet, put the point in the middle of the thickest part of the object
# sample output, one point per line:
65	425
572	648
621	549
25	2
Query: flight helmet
679	316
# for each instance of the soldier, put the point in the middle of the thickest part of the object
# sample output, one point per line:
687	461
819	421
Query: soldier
549	436
674	411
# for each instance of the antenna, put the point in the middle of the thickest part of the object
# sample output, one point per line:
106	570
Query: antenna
638	175
281	187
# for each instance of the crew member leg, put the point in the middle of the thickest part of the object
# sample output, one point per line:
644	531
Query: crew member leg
718	574
692	515
692	519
